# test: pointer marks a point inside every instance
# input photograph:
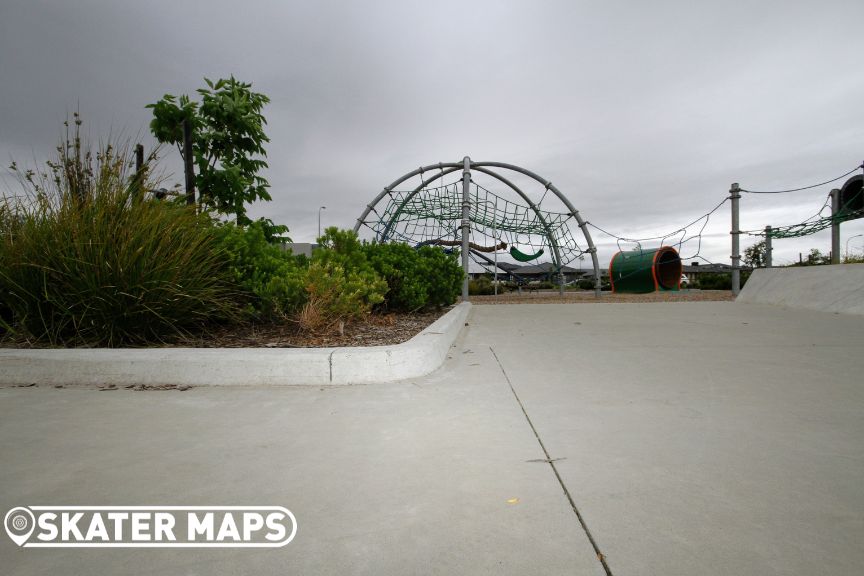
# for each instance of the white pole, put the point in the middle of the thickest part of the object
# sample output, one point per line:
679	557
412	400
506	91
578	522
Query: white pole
735	195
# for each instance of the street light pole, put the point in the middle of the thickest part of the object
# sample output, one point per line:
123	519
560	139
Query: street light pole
847	243
319	219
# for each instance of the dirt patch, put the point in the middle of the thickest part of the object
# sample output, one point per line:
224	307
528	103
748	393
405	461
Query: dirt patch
376	330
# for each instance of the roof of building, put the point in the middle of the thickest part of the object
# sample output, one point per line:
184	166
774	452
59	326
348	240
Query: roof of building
543	268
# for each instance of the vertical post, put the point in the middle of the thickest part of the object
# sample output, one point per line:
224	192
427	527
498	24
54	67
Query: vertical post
835	226
466	222
769	260
319	220
139	171
495	240
187	161
735	195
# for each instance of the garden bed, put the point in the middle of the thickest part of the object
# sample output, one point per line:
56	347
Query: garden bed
376	330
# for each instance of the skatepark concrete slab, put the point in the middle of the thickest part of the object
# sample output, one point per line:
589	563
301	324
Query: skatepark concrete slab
824	288
693	438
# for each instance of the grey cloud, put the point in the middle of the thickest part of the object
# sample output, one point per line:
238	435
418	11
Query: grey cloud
643	113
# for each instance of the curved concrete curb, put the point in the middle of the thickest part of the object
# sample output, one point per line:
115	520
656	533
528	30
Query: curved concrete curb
236	366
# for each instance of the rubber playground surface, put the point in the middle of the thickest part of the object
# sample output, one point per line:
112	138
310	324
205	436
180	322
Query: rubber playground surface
673	438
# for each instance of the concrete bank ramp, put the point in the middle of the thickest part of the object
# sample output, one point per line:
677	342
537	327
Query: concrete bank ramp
836	288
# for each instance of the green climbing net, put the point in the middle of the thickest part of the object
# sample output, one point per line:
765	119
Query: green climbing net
433	215
813	226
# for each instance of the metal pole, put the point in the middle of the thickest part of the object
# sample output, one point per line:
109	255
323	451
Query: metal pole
319	219
735	196
495	233
466	221
847	243
187	162
768	248
835	226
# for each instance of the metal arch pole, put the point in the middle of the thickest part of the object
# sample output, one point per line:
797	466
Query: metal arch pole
395	183
466	222
591	248
735	196
552	243
386	234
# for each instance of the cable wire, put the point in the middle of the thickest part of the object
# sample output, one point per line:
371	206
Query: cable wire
859	167
664	236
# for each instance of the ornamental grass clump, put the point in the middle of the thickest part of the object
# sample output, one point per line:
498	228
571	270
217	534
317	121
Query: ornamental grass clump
86	259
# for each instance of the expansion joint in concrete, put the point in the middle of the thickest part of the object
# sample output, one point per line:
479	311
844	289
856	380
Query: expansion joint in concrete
551	462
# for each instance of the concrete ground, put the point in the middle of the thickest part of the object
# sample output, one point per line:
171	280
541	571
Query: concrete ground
685	438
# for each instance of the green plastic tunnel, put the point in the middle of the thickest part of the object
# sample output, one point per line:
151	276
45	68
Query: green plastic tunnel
643	271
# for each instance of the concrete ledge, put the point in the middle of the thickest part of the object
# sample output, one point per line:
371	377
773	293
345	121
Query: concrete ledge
836	288
419	356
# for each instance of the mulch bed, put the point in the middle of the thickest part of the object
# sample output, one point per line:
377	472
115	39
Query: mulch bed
376	330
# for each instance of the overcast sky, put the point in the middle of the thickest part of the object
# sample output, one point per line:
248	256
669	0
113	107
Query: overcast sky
642	113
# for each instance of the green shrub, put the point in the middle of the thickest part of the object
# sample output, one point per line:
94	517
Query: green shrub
719	281
273	279
416	278
443	273
482	286
585	284
340	282
84	260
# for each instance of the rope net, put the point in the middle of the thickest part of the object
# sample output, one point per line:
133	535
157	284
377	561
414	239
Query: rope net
819	221
433	216
807	228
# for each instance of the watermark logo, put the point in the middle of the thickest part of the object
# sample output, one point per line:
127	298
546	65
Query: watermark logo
150	526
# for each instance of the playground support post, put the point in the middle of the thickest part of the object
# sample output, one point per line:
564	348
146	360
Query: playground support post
497	241
735	196
768	248
835	226
466	222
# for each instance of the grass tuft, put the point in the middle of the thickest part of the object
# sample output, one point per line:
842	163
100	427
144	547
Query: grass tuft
87	260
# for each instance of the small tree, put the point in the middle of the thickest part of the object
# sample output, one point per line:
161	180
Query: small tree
755	255
228	144
816	258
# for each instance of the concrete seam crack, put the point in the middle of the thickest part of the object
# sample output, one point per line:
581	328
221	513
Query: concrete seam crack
551	462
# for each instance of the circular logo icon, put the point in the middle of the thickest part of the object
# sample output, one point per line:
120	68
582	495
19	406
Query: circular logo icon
19	523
